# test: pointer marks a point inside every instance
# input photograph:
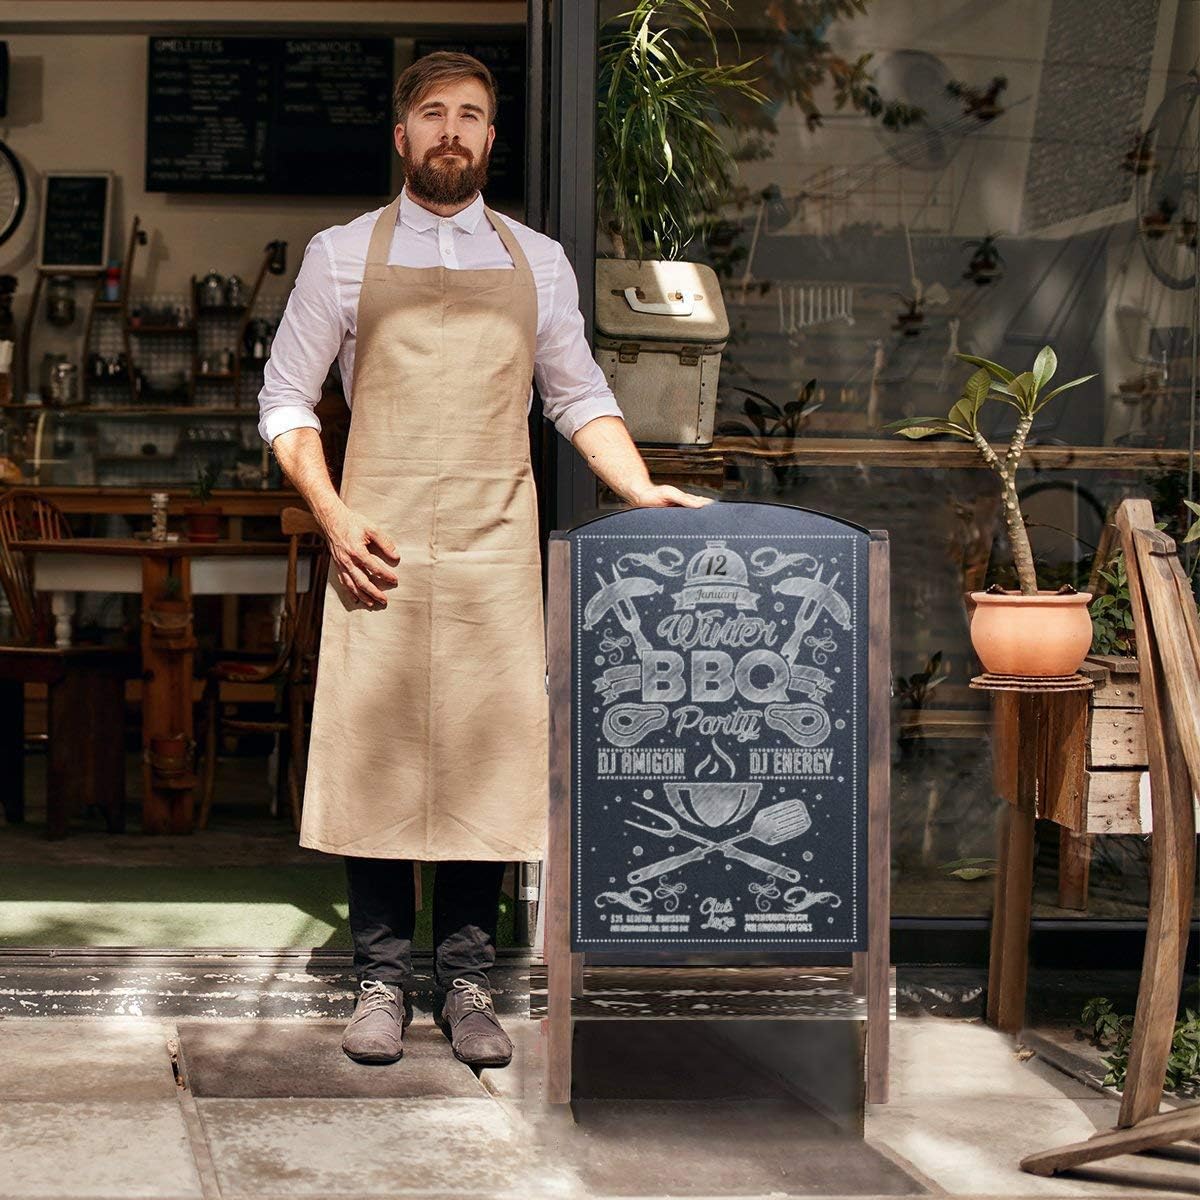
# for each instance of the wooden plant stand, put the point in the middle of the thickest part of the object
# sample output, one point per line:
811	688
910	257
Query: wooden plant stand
1040	726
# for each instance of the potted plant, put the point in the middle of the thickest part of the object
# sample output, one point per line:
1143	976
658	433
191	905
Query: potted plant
986	264
1140	156
908	319
203	520
1024	632
981	103
170	755
1156	222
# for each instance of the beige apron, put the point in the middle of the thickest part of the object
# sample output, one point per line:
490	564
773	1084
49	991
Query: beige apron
429	735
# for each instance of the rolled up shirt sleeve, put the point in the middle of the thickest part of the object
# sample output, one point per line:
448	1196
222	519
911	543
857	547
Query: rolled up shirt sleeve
570	381
307	341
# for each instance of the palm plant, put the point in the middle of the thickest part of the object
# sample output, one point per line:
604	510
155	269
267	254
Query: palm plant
662	167
1022	392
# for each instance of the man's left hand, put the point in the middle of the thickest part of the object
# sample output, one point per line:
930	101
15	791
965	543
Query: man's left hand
663	495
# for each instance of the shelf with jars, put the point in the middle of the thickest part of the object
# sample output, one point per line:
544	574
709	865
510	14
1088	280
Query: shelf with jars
169	387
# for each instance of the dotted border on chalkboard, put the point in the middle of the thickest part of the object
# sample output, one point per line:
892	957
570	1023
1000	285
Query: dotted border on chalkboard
715	943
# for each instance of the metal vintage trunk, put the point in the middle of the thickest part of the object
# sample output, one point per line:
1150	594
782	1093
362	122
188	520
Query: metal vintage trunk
660	330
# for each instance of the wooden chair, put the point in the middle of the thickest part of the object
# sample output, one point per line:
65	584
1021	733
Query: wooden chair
26	516
85	687
292	670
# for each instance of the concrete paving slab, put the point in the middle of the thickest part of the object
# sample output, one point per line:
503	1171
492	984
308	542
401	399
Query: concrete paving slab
55	1058
260	1059
972	1147
734	1148
324	1147
932	1058
130	1148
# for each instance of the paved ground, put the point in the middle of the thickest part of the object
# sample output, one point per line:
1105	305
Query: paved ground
129	1107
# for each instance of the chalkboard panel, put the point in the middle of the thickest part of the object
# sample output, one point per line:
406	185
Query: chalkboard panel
287	116
719	718
75	220
505	58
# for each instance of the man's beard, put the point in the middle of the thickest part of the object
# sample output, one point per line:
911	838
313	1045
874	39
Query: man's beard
450	182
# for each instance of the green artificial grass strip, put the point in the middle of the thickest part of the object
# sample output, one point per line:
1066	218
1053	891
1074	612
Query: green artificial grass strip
261	907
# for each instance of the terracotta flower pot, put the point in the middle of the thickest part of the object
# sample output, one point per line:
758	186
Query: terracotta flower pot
202	522
1036	636
170	754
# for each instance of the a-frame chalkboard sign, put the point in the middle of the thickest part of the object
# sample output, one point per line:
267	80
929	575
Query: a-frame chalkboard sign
719	686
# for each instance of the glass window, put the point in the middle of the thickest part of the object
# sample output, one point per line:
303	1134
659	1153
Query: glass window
912	182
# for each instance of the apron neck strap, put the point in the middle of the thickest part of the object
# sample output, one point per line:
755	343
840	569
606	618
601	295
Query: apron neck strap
510	241
381	235
385	227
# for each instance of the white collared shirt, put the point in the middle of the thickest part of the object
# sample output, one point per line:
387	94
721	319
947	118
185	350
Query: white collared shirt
318	324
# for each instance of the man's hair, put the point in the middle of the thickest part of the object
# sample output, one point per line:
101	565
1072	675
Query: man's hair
442	66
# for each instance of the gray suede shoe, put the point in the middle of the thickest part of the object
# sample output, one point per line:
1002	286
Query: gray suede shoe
469	1017
375	1033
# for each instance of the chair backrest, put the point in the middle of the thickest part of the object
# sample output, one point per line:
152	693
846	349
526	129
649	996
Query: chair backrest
302	611
26	516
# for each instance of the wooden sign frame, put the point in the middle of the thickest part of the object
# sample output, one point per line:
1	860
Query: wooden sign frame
871	968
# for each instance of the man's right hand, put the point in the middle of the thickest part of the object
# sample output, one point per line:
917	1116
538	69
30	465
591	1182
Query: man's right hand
359	549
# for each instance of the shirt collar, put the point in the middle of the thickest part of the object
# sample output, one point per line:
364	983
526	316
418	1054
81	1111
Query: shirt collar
416	217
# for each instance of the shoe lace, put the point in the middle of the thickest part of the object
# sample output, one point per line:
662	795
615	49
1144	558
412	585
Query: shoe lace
479	996
374	994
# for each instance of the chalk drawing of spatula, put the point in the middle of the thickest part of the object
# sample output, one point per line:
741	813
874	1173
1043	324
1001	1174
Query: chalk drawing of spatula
779	823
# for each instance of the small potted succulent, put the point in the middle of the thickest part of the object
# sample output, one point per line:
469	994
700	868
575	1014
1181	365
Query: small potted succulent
909	319
1024	632
203	519
986	265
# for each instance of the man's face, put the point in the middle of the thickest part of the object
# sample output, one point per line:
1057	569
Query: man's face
445	141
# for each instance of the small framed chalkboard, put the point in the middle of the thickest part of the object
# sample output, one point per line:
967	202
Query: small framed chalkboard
75	220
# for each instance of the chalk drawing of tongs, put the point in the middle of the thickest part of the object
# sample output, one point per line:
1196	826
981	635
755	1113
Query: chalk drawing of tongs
707	846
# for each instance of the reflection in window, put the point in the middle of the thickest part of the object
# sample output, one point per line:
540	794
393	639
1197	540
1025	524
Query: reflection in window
909	184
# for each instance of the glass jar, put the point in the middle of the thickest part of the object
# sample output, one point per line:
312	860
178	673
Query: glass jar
60	300
158	516
210	292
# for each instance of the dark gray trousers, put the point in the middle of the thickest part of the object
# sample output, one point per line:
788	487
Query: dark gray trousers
466	907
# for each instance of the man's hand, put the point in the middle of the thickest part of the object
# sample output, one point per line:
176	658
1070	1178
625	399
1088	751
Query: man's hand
663	495
610	452
350	535
351	539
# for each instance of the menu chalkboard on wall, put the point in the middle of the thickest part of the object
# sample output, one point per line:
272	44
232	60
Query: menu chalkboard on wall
505	58
720	730
76	207
285	116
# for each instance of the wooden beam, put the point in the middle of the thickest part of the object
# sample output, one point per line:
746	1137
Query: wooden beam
1172	865
557	892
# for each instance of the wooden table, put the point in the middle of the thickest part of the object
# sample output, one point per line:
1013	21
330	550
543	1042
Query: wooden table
167	575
